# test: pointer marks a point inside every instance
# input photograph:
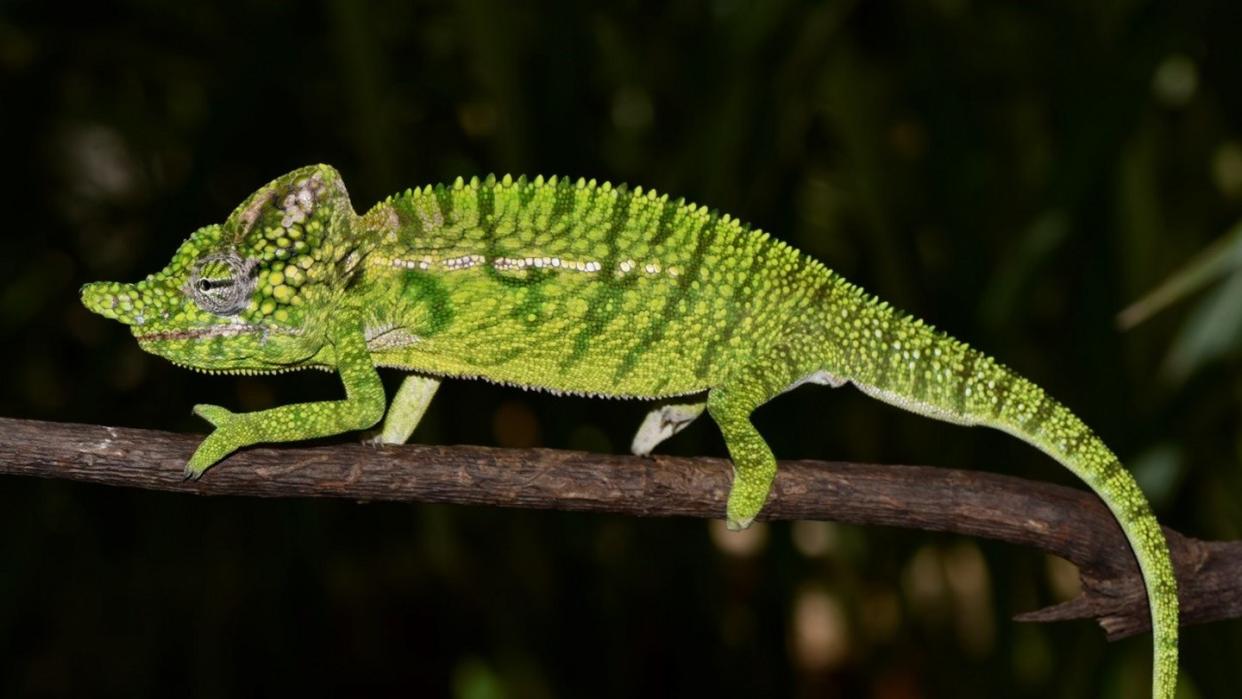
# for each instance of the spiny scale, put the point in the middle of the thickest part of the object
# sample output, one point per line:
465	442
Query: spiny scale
574	287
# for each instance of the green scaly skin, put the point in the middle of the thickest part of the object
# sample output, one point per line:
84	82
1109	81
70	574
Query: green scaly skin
573	287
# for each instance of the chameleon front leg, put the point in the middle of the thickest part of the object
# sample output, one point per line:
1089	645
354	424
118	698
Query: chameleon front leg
663	422
407	408
363	406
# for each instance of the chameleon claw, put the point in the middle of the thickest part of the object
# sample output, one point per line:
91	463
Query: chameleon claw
192	471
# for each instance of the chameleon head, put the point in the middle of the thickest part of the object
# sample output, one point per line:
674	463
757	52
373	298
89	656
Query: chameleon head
243	296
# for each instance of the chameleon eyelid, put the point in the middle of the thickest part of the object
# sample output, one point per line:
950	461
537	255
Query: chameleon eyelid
225	296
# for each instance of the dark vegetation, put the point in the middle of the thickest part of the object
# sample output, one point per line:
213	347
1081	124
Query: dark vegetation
1016	175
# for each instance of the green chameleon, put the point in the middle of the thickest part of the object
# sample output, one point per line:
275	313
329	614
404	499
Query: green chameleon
574	287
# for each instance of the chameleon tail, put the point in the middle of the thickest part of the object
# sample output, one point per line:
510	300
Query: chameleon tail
907	363
1051	427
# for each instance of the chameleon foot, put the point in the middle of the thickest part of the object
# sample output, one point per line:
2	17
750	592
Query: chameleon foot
221	441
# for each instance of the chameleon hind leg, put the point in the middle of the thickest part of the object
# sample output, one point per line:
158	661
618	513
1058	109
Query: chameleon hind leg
663	422
407	408
730	405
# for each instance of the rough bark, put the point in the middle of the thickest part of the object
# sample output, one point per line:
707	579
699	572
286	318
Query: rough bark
1066	522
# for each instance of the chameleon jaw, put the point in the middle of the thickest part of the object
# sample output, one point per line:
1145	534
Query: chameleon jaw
196	349
250	372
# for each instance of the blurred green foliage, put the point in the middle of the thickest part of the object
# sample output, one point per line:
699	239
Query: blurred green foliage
1016	173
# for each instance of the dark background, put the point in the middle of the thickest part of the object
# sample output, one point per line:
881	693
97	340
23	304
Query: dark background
1016	175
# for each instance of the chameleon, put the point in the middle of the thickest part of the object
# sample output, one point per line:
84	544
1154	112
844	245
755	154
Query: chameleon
574	287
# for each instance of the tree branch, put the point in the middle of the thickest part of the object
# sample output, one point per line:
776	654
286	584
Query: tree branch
1066	522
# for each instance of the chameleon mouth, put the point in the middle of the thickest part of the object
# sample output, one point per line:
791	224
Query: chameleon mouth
208	332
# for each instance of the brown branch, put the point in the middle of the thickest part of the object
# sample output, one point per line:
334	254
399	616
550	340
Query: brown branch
1063	521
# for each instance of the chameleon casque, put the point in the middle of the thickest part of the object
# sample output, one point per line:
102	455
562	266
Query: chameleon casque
574	287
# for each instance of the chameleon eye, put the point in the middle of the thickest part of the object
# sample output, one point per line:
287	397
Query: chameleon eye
222	283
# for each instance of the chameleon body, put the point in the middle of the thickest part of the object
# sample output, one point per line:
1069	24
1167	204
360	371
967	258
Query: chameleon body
575	287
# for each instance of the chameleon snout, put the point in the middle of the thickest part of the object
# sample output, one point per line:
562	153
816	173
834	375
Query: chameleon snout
111	300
